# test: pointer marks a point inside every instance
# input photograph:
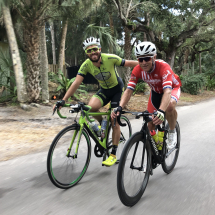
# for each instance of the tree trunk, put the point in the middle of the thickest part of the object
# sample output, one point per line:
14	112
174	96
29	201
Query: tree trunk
44	66
31	38
200	61
111	27
76	60
53	41
170	58
193	69
147	19
17	64
62	46
127	53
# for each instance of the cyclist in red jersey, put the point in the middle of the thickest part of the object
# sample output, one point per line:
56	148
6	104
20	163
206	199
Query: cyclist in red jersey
164	84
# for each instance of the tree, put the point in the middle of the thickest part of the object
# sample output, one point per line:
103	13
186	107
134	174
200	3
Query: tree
171	22
17	64
44	66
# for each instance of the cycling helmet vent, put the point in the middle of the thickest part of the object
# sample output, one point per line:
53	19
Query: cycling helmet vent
91	41
145	48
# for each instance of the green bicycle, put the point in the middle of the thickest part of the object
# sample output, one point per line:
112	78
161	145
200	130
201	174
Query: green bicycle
70	152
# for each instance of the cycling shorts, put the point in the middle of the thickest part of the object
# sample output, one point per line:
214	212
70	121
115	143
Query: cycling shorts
155	99
112	95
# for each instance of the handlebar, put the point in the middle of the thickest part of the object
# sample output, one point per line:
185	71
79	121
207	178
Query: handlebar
76	108
145	114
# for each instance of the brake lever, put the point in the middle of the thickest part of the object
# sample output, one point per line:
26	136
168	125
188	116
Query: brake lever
54	110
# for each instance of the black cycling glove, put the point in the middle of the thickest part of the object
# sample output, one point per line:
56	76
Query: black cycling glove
60	103
118	109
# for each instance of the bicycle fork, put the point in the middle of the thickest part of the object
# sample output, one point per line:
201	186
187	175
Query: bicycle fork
141	168
79	132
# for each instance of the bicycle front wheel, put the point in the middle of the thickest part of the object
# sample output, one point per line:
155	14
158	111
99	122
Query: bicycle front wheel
171	156
133	170
126	132
66	169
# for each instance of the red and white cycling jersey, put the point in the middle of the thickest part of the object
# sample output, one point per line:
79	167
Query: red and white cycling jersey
160	78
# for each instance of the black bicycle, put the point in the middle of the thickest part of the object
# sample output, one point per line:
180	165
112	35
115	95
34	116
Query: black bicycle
140	156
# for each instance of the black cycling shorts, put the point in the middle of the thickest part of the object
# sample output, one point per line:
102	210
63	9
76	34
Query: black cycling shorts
112	95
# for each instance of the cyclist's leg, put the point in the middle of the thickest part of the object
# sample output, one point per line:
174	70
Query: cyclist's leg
153	105
115	96
171	113
115	103
96	102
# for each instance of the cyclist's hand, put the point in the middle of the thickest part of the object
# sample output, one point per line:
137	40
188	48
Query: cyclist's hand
159	118
116	112
58	105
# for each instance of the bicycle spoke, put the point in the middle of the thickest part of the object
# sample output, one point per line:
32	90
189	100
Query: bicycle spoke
66	170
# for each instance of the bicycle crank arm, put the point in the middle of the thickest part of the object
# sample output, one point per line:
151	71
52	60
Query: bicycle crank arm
173	149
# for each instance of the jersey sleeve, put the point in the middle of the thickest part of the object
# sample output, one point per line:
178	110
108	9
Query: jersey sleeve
83	70
167	76
133	79
118	61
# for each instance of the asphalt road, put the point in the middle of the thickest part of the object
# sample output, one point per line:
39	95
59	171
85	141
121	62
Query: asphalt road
190	189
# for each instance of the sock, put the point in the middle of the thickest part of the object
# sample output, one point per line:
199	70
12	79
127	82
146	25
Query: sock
114	148
172	131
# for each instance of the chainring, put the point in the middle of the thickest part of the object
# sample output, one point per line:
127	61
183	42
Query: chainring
98	151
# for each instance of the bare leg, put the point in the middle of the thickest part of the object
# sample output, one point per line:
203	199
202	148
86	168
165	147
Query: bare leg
151	126
171	114
116	133
95	103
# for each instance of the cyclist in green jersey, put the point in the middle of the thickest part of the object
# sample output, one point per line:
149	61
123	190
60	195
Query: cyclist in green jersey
103	68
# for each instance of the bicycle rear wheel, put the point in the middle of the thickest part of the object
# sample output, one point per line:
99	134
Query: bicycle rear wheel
133	170
66	170
171	156
126	132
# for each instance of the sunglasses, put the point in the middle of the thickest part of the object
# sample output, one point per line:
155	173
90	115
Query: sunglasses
90	51
146	59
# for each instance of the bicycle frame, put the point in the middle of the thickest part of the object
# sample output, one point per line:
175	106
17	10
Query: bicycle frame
82	123
147	138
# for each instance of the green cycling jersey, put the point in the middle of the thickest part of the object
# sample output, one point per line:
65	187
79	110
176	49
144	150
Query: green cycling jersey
106	74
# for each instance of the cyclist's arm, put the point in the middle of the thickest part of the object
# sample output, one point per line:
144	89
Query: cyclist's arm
73	87
126	97
165	99
131	63
130	88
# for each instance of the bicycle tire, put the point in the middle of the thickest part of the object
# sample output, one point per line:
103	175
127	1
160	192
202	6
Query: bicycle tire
169	168
126	133
130	196
69	175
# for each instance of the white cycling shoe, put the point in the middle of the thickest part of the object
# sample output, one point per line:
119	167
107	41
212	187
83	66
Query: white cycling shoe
172	140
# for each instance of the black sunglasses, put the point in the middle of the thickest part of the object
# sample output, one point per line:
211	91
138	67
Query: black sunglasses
146	59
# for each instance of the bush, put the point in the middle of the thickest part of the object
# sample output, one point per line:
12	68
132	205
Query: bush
140	87
210	85
65	83
193	83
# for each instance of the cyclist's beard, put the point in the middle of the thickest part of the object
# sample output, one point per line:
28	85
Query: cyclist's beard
99	55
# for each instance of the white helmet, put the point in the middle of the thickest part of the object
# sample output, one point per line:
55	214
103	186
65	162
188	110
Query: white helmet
91	41
145	48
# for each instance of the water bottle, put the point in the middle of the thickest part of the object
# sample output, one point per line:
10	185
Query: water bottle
160	139
103	128
95	127
154	136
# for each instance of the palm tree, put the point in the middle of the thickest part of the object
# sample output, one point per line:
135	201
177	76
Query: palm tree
34	14
44	66
17	64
